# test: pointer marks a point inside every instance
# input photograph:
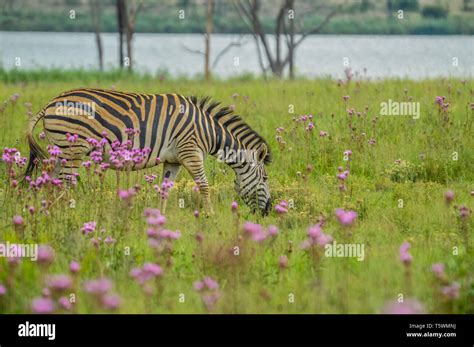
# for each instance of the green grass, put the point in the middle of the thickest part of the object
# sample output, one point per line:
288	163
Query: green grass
252	282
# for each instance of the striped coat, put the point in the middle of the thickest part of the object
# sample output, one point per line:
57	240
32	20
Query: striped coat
179	130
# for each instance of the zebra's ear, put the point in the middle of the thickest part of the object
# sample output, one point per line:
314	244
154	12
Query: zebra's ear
262	154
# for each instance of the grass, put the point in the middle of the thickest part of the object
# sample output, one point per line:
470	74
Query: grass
395	203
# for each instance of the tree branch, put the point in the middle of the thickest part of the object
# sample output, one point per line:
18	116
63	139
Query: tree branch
318	28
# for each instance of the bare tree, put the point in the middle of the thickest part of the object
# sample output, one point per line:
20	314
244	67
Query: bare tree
121	12
95	12
277	61
130	28
207	52
126	19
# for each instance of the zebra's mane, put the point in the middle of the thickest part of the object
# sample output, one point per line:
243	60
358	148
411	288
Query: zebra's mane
225	116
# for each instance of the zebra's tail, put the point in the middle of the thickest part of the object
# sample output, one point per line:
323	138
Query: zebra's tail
36	152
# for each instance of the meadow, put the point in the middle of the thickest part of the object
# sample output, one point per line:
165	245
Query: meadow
409	180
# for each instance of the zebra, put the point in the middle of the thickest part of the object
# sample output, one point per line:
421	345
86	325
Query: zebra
179	130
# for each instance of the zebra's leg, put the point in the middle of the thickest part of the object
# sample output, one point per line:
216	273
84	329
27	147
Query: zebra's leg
67	170
170	171
73	157
195	166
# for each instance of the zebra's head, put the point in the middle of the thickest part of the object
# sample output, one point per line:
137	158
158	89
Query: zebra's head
252	182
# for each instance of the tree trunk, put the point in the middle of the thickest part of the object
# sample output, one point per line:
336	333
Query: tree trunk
291	48
95	11
121	9
209	28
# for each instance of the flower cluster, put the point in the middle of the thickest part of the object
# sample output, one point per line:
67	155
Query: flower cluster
316	237
346	218
145	274
101	289
405	257
209	290
12	157
42	181
159	238
450	291
166	186
122	155
281	207
257	233
442	105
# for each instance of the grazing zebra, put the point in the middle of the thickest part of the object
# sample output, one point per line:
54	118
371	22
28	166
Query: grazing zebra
180	130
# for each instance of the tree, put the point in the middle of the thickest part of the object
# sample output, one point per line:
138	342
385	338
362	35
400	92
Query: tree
126	19
207	52
95	12
278	60
121	12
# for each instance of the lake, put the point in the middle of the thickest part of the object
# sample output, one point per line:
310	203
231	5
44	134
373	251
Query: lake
376	57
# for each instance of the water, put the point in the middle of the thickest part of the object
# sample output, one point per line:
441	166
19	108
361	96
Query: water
415	57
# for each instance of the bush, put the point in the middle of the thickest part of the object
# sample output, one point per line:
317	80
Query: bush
434	11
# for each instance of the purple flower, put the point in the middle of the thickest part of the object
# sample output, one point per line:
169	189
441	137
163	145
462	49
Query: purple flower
156	220
409	306
59	282
18	221
207	283
316	237
147	272
71	138
45	254
346	218
42	305
440	100
153	269
54	151
109	240
98	287
127	195
74	267
283	261
323	134
343	175
315	231
64	303
449	196
255	231
451	291
272	230
464	212
405	256
252	228
347	153
89	227
438	270
346	97
111	301
281	207
3	290
234	206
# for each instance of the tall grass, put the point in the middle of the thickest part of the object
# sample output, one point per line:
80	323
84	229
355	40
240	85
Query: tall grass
395	185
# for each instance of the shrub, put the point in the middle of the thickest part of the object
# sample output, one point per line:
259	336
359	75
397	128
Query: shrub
434	11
